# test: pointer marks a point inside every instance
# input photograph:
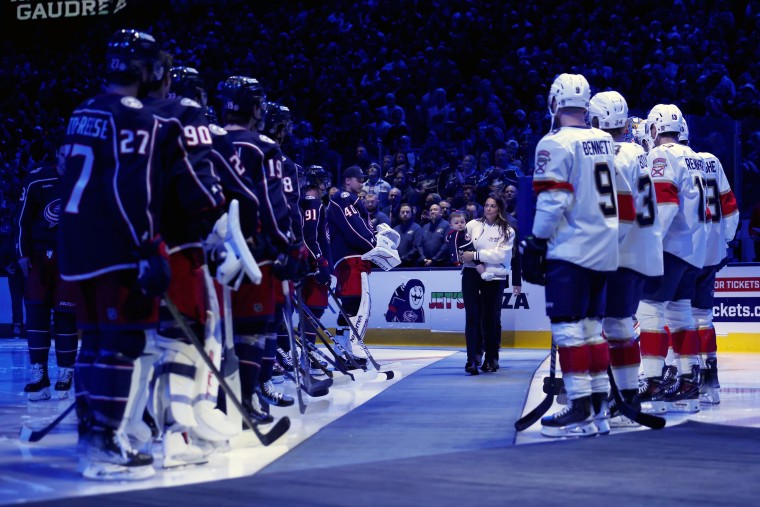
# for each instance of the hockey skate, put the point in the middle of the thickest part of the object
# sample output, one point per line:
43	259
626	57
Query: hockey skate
683	395
618	420
39	387
709	392
268	394
350	349
63	384
256	412
179	450
574	420
108	456
601	413
652	390
284	360
278	373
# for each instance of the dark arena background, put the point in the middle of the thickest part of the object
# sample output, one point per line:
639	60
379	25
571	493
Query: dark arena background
418	84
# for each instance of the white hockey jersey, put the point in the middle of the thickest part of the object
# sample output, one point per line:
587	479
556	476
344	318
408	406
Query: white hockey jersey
724	213
576	207
678	175
641	248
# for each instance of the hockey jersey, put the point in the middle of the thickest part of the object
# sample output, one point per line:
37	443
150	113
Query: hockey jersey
292	189
39	211
678	175
641	247
315	237
262	158
108	207
724	214
237	181
191	192
576	207
348	225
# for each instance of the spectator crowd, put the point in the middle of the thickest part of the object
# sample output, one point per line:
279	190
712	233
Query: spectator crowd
441	102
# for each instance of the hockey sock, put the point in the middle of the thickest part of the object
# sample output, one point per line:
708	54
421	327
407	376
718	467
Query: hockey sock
250	354
38	333
625	359
66	338
654	348
268	358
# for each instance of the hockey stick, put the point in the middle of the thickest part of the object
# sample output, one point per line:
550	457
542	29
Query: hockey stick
230	364
356	374
280	427
315	390
27	434
317	354
359	340
534	415
648	420
322	332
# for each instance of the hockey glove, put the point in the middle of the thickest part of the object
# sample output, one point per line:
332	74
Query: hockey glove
291	264
323	274
154	272
533	252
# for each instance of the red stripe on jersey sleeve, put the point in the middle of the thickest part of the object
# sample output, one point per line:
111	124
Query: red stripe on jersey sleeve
728	203
544	186
667	193
626	208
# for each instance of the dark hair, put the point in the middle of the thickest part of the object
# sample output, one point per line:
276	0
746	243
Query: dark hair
504	226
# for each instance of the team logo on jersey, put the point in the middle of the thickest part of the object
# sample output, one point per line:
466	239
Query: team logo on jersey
217	130
131	102
345	195
266	139
658	167
52	212
543	157
189	103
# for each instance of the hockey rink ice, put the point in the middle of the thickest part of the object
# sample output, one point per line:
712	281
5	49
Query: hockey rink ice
430	436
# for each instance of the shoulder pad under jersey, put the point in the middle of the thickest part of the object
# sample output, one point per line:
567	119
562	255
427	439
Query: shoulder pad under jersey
132	102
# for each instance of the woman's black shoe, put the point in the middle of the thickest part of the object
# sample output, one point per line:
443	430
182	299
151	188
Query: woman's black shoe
488	366
471	368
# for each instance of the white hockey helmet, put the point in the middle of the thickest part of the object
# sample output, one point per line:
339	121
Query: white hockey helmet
665	118
640	132
609	108
570	90
683	136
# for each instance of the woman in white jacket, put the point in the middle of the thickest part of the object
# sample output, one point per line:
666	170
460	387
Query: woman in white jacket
492	241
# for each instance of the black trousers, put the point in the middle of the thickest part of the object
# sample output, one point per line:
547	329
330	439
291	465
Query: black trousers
482	308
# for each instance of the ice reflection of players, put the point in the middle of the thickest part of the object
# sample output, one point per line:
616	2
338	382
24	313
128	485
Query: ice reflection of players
406	303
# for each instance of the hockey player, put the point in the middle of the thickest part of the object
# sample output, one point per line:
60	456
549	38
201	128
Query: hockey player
351	237
314	212
37	251
192	201
278	125
106	197
724	219
573	247
678	175
640	250
273	244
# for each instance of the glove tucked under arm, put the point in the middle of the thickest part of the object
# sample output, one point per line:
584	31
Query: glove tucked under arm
154	272
323	274
292	263
533	260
